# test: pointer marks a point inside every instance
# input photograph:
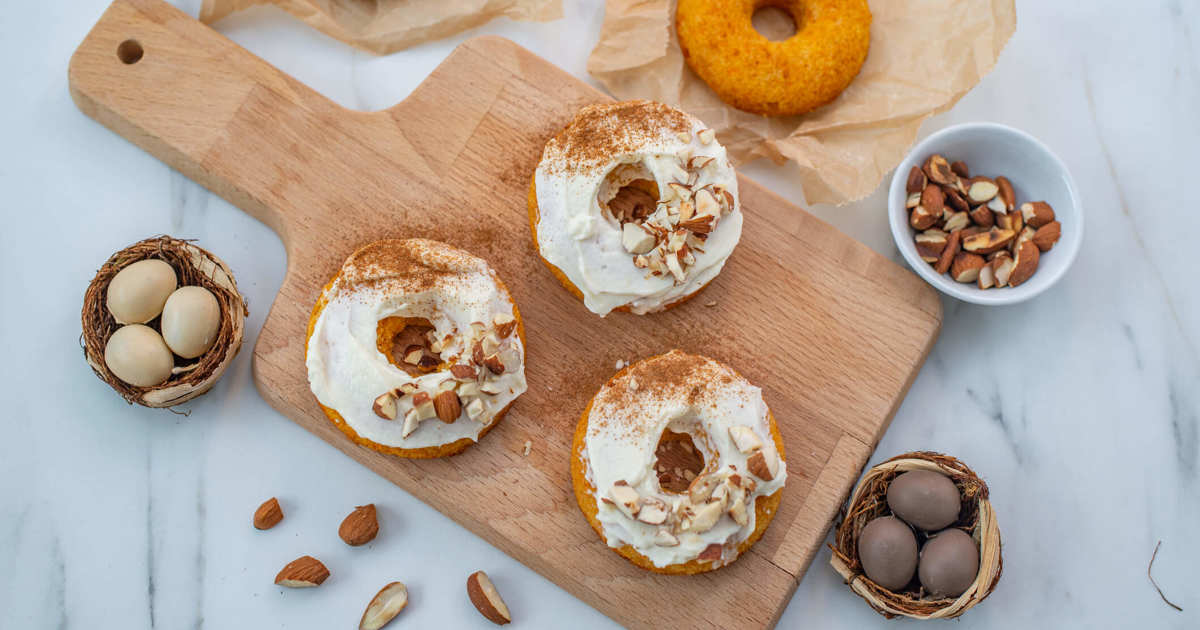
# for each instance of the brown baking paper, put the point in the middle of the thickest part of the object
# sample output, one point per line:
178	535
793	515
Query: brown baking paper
385	26
924	56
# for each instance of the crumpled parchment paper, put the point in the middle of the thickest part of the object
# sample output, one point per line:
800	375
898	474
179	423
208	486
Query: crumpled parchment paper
385	26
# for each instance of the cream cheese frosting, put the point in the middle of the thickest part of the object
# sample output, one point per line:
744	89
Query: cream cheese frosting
729	424
473	318
578	234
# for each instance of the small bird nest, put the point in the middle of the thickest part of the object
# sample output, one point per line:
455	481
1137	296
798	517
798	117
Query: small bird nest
194	266
976	518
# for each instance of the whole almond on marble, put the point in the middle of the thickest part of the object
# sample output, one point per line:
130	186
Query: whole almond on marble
268	514
360	526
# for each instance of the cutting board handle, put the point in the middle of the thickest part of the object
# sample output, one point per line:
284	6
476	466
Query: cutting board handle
173	86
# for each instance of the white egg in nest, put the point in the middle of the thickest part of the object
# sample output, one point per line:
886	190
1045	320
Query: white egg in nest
191	320
137	355
138	292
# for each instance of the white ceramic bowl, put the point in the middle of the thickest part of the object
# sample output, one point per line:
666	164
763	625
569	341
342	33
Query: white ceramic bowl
1037	175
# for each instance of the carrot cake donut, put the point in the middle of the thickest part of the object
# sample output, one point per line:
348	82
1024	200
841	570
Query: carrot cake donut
775	78
677	464
415	348
634	207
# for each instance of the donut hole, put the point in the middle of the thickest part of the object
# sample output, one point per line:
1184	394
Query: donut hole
628	193
400	338
678	460
775	22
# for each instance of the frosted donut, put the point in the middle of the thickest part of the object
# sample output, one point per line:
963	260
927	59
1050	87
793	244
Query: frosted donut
415	348
639	431
783	78
634	207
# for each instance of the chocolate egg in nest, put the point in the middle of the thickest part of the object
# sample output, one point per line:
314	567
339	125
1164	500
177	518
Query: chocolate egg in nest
971	529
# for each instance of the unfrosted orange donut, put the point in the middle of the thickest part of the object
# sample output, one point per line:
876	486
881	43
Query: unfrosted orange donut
783	78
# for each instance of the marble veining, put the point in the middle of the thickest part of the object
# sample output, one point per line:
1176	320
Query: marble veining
1080	408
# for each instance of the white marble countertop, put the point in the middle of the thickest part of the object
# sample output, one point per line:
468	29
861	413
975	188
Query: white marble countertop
1081	408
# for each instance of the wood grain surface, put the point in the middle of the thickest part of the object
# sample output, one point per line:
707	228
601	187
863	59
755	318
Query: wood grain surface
831	331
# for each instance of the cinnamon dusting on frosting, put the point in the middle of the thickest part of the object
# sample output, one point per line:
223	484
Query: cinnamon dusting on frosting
599	132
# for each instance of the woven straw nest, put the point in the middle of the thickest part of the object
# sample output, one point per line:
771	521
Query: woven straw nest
193	266
976	518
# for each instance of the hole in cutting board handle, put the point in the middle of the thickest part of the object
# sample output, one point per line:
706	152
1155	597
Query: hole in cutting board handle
130	51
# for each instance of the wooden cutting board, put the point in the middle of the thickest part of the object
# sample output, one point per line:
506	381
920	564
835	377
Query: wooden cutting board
831	331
